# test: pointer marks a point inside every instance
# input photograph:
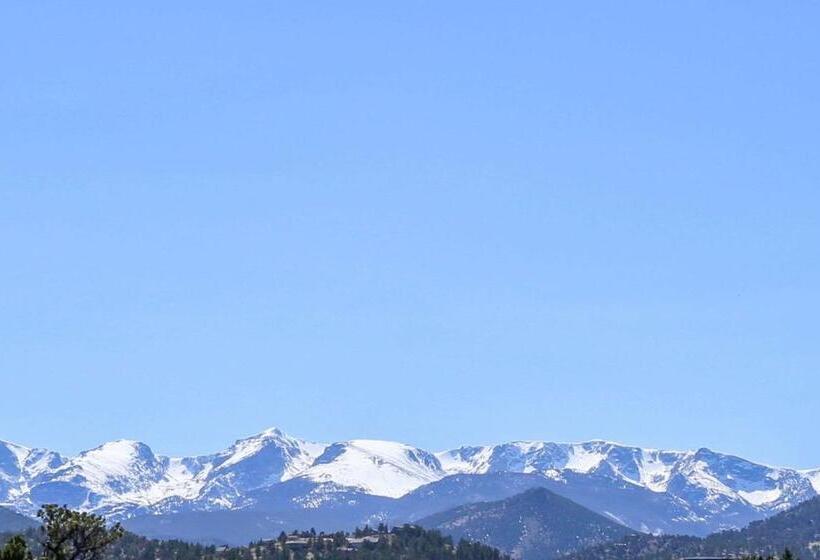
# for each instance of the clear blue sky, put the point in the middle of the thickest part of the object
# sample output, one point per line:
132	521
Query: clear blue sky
439	224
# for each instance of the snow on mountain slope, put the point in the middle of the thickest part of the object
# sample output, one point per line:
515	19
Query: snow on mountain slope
12	457
656	468
381	468
114	467
814	478
108	478
282	456
124	478
712	479
40	463
715	481
221	480
180	478
644	467
252	463
20	467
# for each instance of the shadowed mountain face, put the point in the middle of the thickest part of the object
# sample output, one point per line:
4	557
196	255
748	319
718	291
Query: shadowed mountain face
332	509
11	522
535	524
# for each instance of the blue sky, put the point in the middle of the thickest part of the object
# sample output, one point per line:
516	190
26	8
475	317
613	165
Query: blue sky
439	224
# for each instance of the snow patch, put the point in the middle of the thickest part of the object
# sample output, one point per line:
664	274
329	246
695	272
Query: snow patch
761	497
582	460
381	468
465	460
814	478
654	472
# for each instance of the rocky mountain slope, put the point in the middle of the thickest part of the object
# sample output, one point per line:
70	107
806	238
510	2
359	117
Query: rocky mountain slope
291	480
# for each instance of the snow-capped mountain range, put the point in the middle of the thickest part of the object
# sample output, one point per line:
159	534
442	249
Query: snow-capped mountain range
678	490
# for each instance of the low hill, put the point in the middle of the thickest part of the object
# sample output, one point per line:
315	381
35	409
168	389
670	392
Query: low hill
534	524
797	529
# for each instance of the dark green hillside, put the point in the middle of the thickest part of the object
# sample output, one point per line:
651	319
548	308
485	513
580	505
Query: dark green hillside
537	524
797	529
401	543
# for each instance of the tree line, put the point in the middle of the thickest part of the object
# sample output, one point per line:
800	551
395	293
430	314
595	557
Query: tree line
70	535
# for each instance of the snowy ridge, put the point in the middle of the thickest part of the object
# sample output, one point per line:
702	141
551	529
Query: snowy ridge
20	467
381	468
124	478
645	467
715	479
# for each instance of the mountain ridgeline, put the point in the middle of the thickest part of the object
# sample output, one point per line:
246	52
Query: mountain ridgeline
271	482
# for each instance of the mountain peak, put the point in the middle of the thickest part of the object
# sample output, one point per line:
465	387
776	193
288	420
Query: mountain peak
123	443
273	435
273	431
121	450
18	452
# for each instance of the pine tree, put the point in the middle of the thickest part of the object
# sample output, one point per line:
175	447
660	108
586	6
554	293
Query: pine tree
73	535
16	549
